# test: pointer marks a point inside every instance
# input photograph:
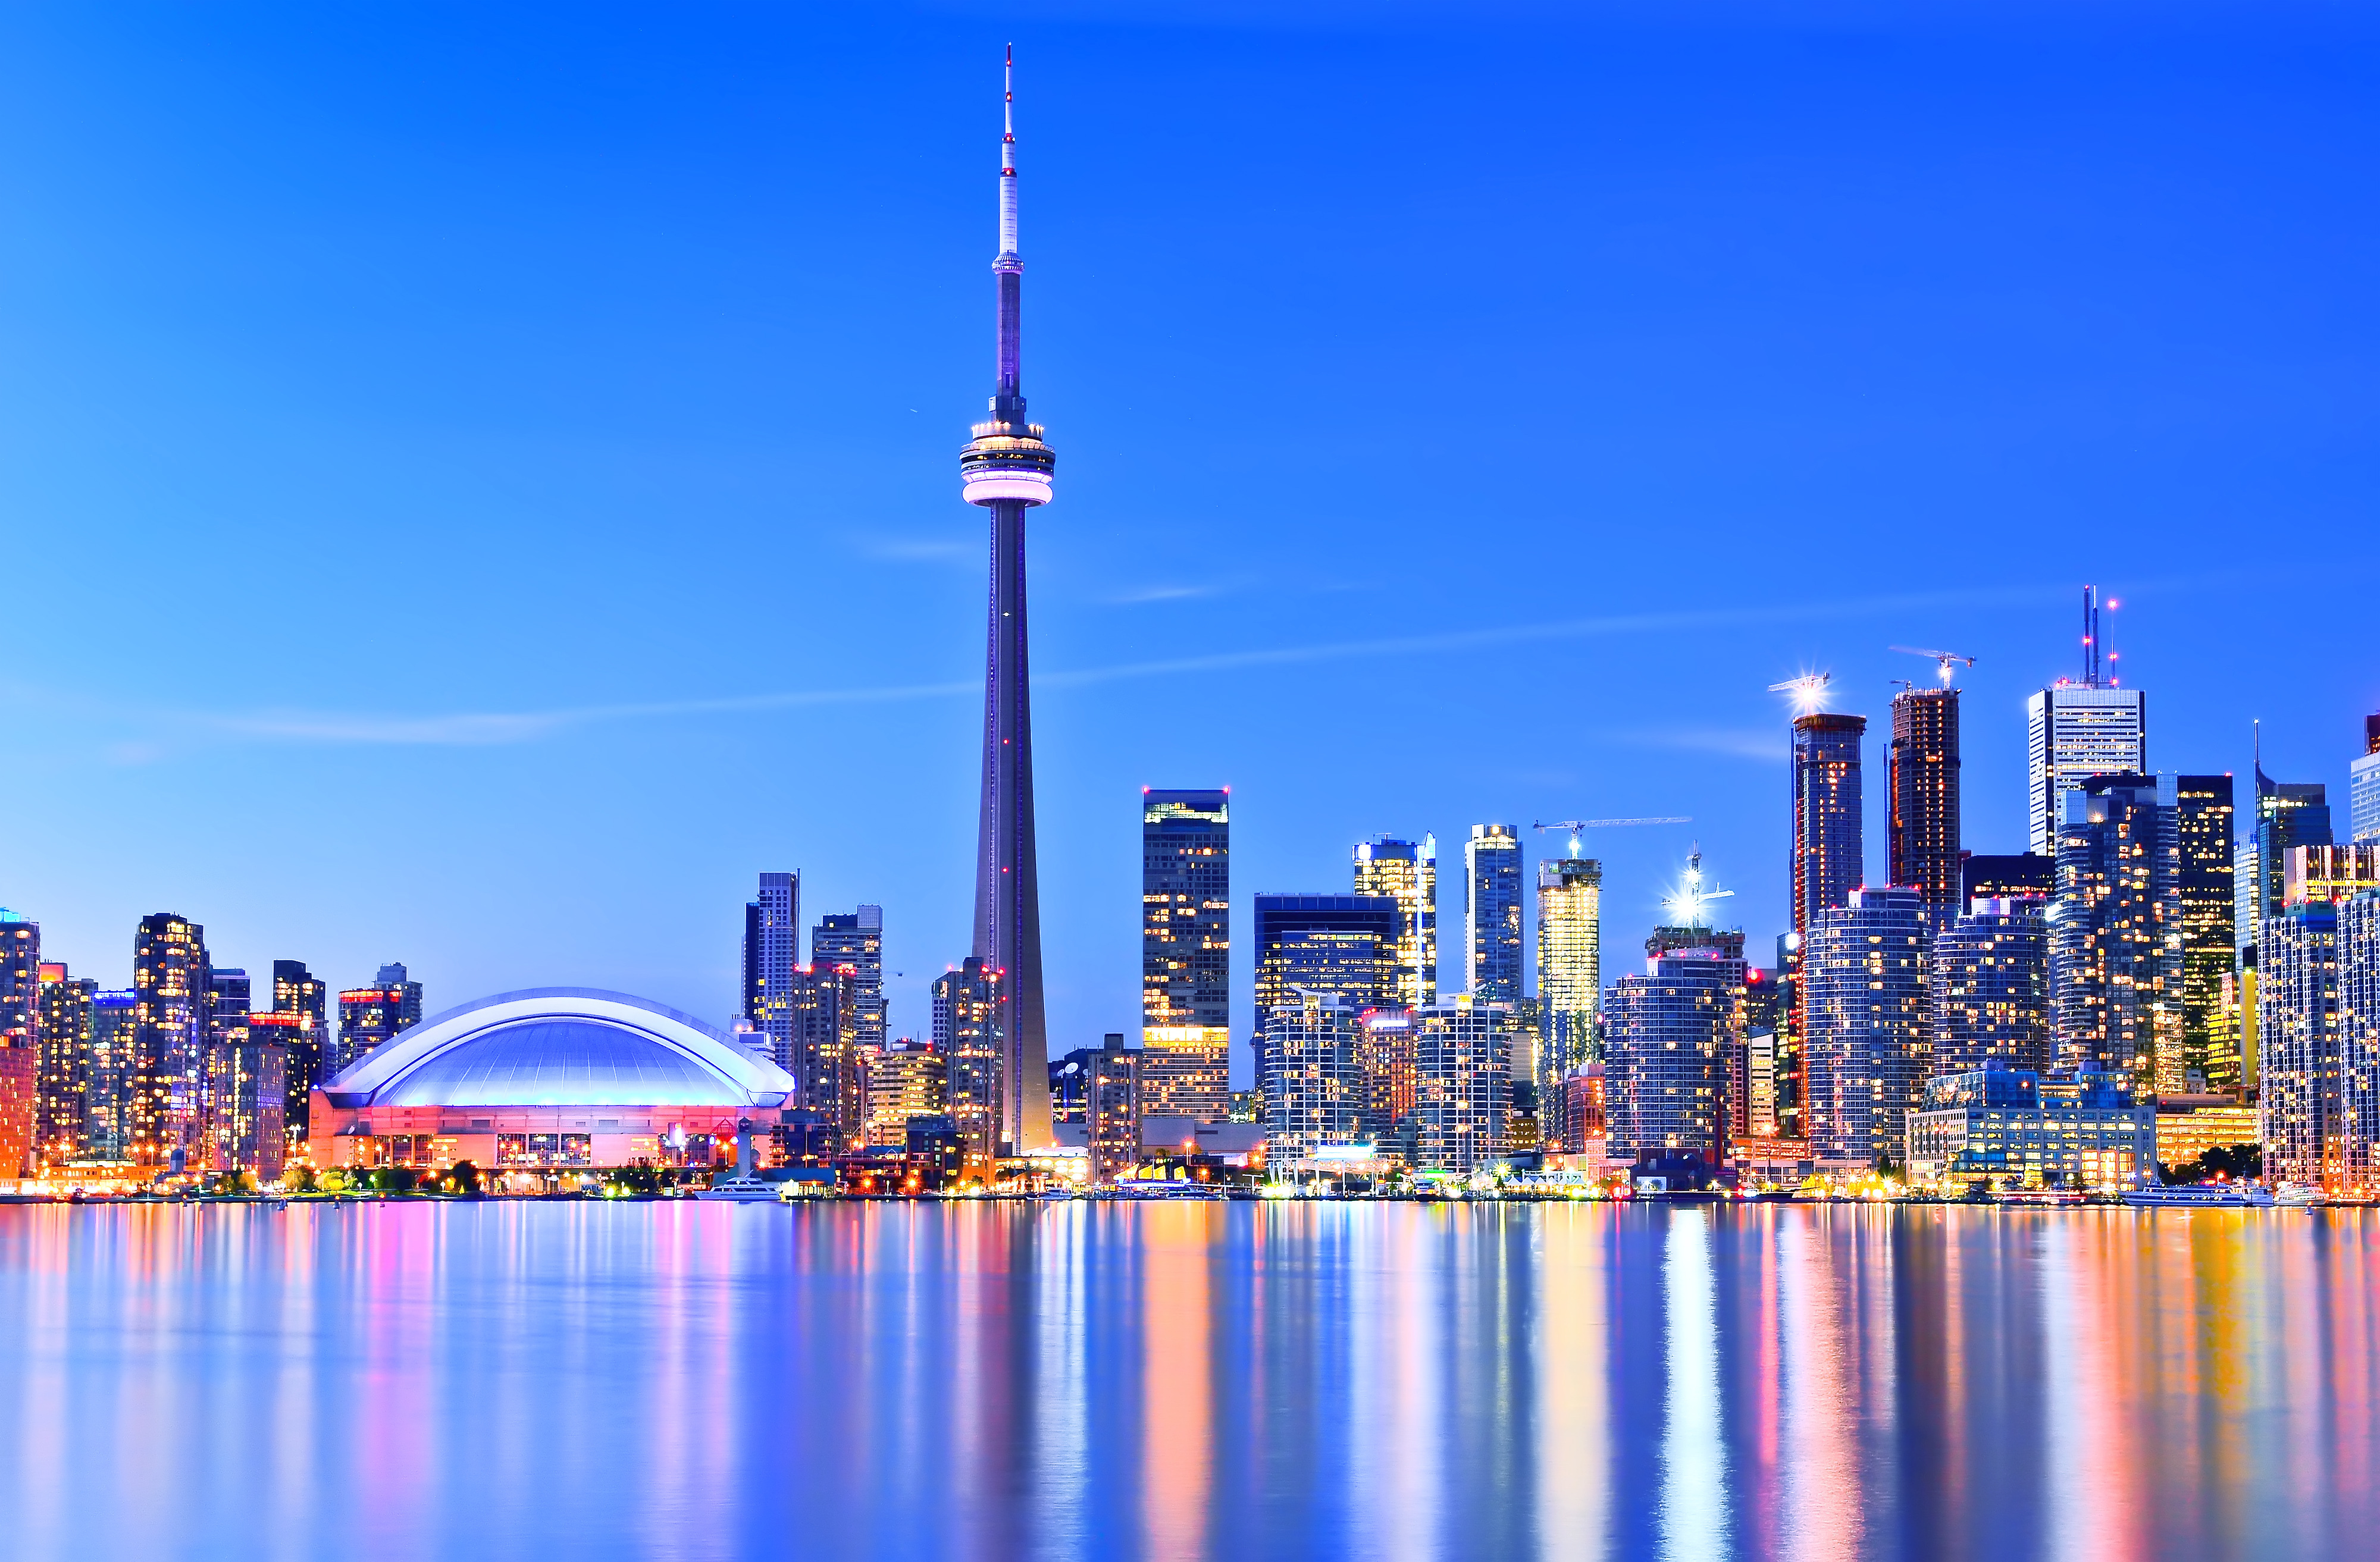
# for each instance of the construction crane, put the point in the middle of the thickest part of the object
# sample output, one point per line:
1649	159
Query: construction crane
1687	904
1574	826
1942	659
1809	691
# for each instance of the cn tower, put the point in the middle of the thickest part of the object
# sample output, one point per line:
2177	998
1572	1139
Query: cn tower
1006	469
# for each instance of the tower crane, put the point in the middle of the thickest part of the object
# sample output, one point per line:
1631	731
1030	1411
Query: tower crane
1809	691
1942	659
1574	826
1688	902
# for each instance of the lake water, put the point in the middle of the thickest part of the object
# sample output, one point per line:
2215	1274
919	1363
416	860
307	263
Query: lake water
1301	1382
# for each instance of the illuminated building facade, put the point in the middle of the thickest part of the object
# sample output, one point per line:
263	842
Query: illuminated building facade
2188	1126
2363	787
1406	872
1667	1033
1389	1061
904	1079
1997	1122
247	1091
1991	989
549	1079
2075	732
2211	1055
169	985
827	1059
20	981
1570	963
1186	953
300	1021
115	1077
1007	468
1345	944
1313	1082
2116	932
1463	1083
1870	1037
2288	814
1114	1108
62	1115
1494	964
2301	1099
2020	878
2359	1036
772	955
856	939
1924	844
1829	862
370	1016
966	1020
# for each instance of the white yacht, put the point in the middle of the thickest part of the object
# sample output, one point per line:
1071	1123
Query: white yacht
743	1186
2202	1196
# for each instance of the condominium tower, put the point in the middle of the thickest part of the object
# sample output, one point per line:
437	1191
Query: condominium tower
1924	784
1406	872
1493	962
1569	964
1186	953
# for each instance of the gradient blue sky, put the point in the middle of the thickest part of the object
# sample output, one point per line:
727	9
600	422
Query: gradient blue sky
477	484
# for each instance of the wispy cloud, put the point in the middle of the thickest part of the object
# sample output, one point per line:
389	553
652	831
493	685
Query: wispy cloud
510	727
1137	594
1738	743
923	549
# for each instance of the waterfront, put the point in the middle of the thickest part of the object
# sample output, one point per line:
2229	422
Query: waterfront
1188	1379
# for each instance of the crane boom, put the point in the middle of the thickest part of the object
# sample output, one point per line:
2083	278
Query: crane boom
1941	658
1574	826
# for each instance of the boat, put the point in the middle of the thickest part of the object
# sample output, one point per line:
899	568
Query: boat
2299	1195
2200	1195
2041	1197
740	1189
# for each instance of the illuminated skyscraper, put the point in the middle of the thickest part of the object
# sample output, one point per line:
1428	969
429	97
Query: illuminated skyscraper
169	982
1569	964
115	1074
856	940
966	1003
905	1079
2116	932
1111	1107
1186	953
2211	1057
1871	1025
1344	945
1313	1083
826	1057
61	1118
1666	1032
772	953
2301	1103
1007	468
1407	873
2363	787
2359	1033
1494	965
2288	814
20	1041
1828	862
1924	776
2079	729
1991	989
370	1016
1462	1081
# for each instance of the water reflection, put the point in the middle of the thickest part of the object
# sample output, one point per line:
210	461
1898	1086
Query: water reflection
1189	1380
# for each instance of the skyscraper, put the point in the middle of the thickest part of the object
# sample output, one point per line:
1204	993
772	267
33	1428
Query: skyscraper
1406	872
2363	787
1493	963
1007	468
1186	953
2079	729
1462	1081
2288	814
228	998
1829	862
2211	1057
2300	1105
1569	964
856	940
115	1053
1991	989
1314	1084
1666	1032
1871	1032
1924	777
1345	944
1111	1107
2359	1034
62	1114
370	1016
772	952
2116	932
826	1058
20	1041
966	1030
169	985
905	1080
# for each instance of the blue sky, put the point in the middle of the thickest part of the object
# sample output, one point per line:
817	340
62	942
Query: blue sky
479	486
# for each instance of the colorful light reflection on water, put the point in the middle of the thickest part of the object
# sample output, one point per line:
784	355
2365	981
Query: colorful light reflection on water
1183	1380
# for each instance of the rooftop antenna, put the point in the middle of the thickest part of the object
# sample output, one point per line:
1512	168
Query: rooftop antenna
2113	680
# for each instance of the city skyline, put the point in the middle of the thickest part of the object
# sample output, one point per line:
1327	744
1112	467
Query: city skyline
320	737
